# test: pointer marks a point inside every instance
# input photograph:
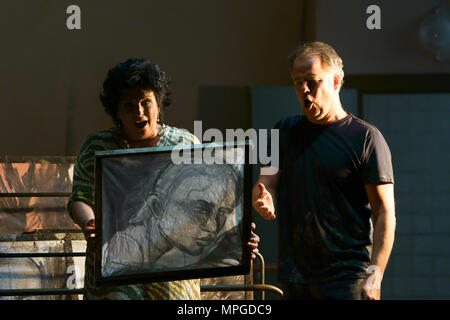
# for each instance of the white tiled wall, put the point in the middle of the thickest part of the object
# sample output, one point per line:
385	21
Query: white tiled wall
417	128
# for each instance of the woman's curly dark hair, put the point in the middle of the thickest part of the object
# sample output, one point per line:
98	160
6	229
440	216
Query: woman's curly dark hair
134	73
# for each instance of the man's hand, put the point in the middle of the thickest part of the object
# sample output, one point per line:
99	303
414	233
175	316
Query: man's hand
262	202
370	294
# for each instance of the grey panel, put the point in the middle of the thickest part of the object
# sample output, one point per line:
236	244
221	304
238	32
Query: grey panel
416	129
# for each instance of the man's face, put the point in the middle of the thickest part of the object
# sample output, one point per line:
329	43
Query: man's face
138	112
196	212
316	89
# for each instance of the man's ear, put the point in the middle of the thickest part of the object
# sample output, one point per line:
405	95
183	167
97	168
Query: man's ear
151	208
337	81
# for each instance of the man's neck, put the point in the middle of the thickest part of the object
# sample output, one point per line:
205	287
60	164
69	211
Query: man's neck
336	113
339	114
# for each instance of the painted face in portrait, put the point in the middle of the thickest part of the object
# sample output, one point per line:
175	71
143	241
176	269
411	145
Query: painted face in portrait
197	210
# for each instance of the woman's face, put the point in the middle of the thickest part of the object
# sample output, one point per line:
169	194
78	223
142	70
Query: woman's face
138	113
197	211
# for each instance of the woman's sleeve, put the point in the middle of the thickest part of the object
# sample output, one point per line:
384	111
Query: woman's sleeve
83	175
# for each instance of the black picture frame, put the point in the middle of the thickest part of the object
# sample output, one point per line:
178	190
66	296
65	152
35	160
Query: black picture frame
130	169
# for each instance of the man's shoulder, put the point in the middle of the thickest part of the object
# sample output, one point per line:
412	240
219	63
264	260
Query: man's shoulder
363	126
288	122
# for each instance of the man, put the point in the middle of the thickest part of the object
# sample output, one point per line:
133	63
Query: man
332	167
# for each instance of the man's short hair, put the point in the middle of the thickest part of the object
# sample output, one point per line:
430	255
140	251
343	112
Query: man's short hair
328	56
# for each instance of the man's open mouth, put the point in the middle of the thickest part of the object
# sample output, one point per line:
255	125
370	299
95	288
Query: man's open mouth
307	104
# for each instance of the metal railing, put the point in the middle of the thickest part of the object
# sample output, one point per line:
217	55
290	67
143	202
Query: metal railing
34	194
41	291
260	287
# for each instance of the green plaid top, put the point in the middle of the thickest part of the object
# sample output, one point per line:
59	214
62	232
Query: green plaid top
83	190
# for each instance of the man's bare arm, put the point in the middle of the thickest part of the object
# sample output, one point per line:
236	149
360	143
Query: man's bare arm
381	199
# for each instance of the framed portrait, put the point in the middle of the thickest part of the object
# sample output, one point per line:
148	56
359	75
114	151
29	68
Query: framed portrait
172	213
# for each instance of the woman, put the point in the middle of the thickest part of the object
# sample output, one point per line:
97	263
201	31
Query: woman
135	94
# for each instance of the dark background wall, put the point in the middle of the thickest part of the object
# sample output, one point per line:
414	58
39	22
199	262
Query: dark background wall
227	59
51	76
394	49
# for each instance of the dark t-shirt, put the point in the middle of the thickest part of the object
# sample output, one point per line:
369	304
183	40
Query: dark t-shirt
325	226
